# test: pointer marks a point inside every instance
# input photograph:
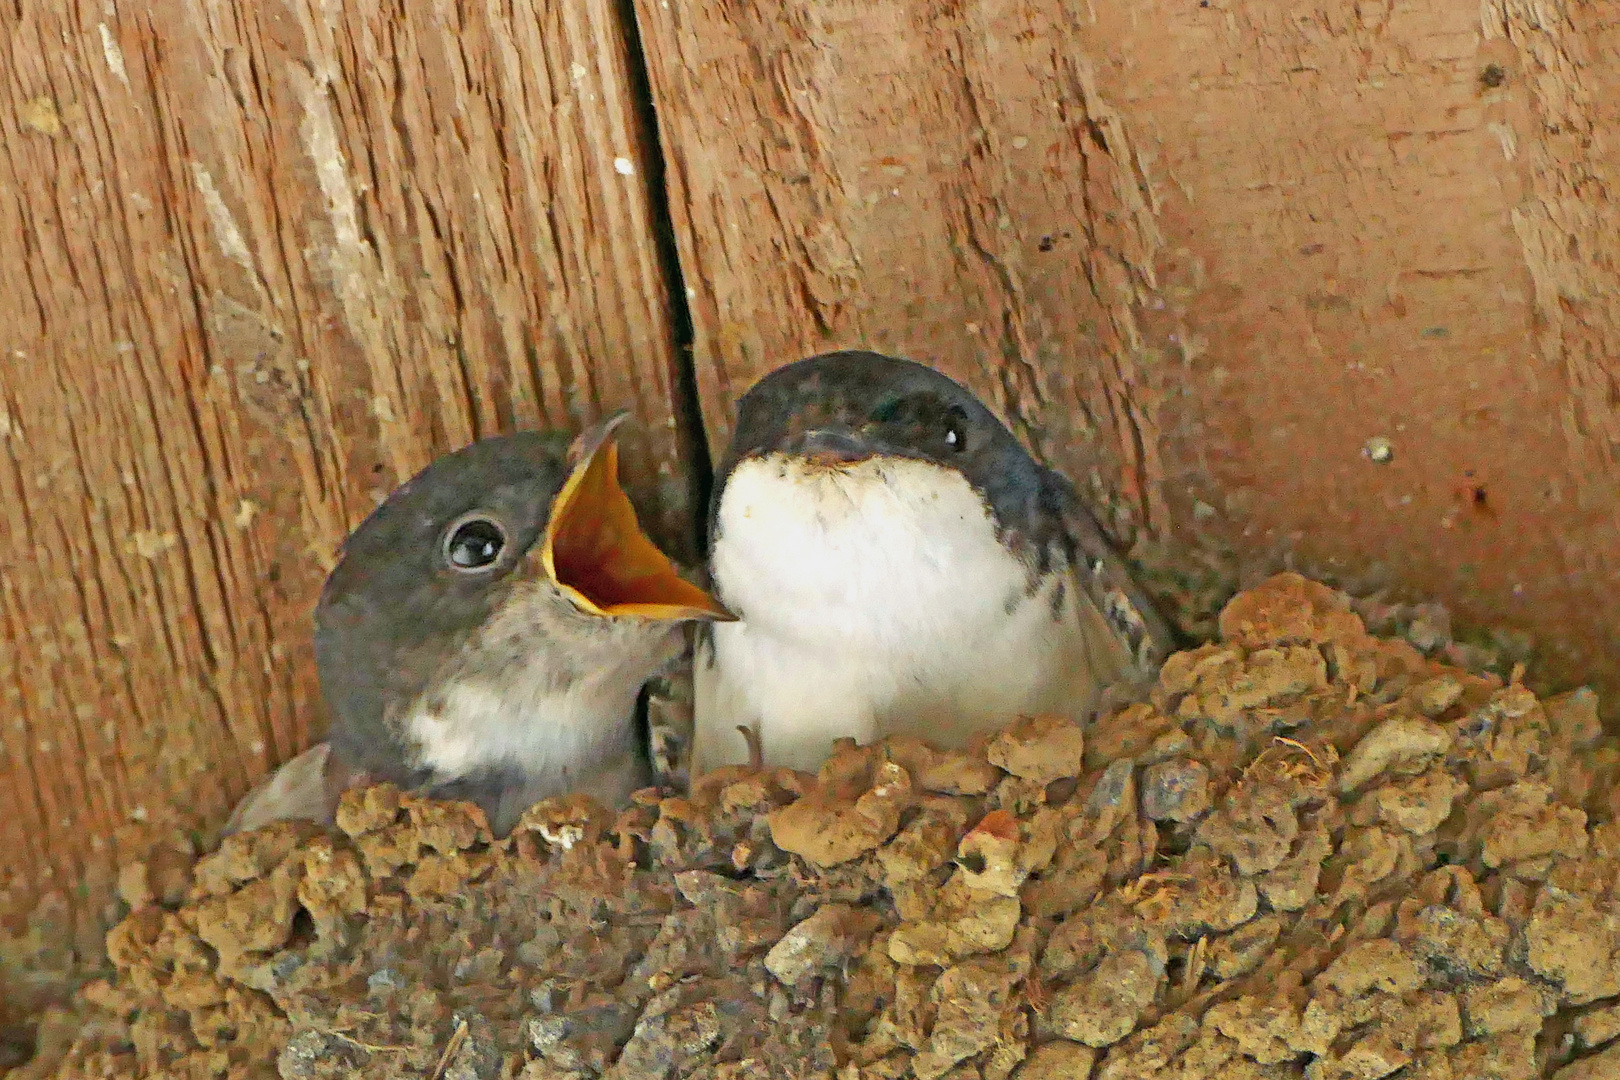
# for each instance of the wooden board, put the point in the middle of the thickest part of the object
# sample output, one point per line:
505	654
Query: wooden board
259	263
1200	253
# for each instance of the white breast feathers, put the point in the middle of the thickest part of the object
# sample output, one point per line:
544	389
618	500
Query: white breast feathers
876	599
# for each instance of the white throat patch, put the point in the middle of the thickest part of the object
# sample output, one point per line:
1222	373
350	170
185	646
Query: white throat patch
550	701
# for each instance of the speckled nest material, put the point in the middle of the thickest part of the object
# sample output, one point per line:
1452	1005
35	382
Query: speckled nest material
1312	853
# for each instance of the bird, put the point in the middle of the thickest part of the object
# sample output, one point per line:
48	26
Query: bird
486	633
898	563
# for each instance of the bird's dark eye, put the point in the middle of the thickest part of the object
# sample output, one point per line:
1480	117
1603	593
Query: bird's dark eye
956	428
474	544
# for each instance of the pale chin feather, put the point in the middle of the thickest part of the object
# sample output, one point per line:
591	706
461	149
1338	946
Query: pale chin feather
569	706
874	600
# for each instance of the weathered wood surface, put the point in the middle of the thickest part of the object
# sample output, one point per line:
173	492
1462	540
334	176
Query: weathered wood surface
1204	251
260	263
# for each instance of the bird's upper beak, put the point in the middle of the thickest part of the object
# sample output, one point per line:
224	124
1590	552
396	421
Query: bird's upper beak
594	549
833	447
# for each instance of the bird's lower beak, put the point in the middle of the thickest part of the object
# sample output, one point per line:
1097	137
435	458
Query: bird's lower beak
594	549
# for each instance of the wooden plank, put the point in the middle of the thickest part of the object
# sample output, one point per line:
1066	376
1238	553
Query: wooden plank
947	187
260	263
1200	253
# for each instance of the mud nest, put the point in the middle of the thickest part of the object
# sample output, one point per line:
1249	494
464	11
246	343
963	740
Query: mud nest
1312	853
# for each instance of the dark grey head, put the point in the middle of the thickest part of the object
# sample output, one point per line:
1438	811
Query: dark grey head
511	532
422	572
850	406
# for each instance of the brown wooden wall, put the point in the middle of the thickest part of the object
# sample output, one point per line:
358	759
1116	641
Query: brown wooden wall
260	262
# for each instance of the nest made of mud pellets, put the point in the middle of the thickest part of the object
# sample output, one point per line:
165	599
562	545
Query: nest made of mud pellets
1313	853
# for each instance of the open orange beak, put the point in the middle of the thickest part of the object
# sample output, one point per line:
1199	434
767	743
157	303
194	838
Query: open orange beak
596	553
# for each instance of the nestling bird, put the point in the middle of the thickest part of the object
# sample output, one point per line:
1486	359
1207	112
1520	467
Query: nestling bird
898	563
486	633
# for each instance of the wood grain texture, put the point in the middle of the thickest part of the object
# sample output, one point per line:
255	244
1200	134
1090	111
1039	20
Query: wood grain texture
1200	253
949	182
259	263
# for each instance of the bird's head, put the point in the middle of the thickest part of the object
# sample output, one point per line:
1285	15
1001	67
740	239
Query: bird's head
512	550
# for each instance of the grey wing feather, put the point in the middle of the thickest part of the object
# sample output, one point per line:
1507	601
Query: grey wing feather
1106	578
301	789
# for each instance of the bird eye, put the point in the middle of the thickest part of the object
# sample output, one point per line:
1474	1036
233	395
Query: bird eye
474	543
956	426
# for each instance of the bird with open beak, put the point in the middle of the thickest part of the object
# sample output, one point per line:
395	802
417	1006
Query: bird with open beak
899	564
486	634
